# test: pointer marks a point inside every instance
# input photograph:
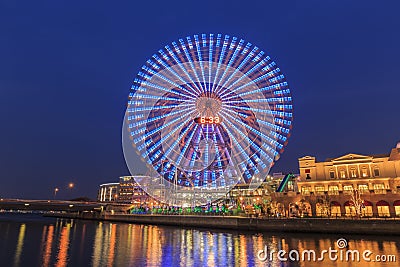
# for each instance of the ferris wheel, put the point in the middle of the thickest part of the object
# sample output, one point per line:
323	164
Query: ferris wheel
205	113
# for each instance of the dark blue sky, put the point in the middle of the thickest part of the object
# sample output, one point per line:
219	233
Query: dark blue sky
66	68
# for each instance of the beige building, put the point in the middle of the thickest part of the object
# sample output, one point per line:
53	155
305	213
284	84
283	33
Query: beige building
108	192
127	190
130	191
353	184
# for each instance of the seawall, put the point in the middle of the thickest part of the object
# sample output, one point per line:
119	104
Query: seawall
301	225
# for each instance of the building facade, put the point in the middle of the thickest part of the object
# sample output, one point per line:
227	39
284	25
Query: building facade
108	192
130	191
127	190
350	185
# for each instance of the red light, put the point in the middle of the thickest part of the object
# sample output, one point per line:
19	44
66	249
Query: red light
207	120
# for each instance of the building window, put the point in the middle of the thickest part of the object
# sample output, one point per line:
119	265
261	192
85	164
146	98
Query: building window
305	190
333	190
376	172
319	190
366	209
335	211
290	186
364	172
342	174
379	189
383	211
397	210
347	189
363	188
308	176
350	210
332	174
353	173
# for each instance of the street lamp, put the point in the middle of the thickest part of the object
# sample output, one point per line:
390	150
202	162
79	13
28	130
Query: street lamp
71	186
55	192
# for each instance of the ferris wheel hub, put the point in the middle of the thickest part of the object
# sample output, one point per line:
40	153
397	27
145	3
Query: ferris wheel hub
208	106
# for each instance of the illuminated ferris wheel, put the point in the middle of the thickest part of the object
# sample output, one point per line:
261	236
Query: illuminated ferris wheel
205	113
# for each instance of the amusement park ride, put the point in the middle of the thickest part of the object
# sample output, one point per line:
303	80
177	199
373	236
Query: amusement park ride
204	113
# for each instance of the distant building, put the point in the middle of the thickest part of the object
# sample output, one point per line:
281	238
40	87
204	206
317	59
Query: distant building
241	194
127	190
108	192
350	185
130	191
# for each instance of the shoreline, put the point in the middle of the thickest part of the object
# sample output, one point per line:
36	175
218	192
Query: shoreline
297	225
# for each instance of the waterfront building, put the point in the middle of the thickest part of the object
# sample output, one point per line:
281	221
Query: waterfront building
127	190
130	191
108	192
350	185
248	199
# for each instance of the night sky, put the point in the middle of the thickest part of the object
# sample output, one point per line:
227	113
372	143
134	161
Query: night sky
66	68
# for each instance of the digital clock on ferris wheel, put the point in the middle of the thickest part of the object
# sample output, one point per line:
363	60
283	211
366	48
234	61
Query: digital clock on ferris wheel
207	120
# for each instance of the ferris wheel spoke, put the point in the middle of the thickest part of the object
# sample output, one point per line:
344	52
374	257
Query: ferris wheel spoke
155	72
269	75
256	110
159	143
276	128
273	127
206	154
176	120
221	58
174	144
242	152
181	155
200	61
190	60
239	102
181	65
232	136
280	116
252	81
231	60
195	149
210	61
163	77
133	105
160	117
239	68
252	69
188	82
273	87
217	149
258	148
269	139
154	86
225	151
145	96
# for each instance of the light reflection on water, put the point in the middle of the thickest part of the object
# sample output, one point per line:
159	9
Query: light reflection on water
31	240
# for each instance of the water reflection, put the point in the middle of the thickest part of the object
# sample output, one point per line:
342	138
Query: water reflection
62	256
51	242
20	244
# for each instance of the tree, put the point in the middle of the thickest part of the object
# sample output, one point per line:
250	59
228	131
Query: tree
356	201
324	205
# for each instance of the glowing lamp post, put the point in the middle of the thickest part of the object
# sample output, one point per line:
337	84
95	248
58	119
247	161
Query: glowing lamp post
55	192
71	186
